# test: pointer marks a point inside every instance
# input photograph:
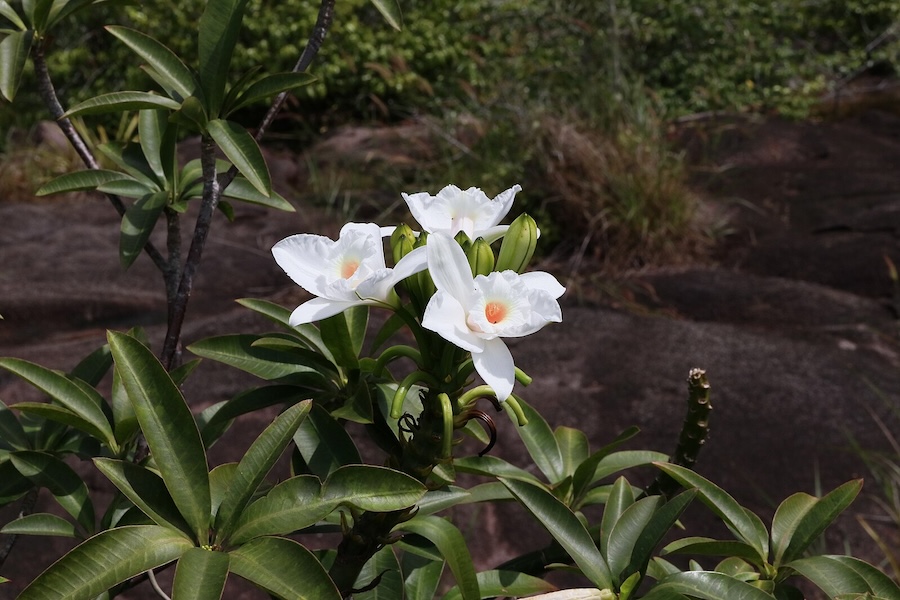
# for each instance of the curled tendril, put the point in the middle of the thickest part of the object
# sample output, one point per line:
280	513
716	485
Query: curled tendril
407	424
489	423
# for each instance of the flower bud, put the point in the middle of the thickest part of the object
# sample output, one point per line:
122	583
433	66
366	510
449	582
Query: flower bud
424	284
518	245
403	241
463	240
481	257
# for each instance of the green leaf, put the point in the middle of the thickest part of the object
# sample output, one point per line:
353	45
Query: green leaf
200	575
324	444
785	521
106	559
152	125
284	568
124	417
241	189
257	462
565	527
169	428
93	367
214	420
40	524
292	505
219	26
711	547
493	466
390	10
137	225
573	447
660	524
45	470
382	565
505	583
624	460
452	546
11	431
421	576
541	444
38	11
173	72
309	334
625	533
819	516
130	158
146	490
67	393
9	12
63	8
242	150
238	351
14	51
442	498
270	85
372	488
344	333
742	523
13	485
121	101
836	575
584	472
705	585
620	498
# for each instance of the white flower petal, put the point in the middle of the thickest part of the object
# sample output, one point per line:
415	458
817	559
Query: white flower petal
319	308
492	234
540	280
449	268
303	257
502	203
428	211
495	365
445	316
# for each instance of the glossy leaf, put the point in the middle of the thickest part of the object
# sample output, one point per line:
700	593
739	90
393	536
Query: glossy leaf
441	499
372	488
215	420
257	462
11	432
200	575
452	546
218	31
390	10
541	443
14	50
13	485
47	471
124	417
106	559
293	504
565	527
421	576
146	490
711	547
819	516
93	368
583	475
169	427
705	585
284	568
785	521
493	466
121	101
242	150
241	189
67	393
386	569
174	73
40	524
343	334
505	583
837	575
657	528
625	533
624	460
137	225
130	158
573	447
6	10
620	498
271	85
238	351
744	524
324	444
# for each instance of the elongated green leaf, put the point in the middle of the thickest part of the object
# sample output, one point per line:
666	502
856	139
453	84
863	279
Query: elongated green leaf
620	498
493	466
706	585
169	428
219	26
40	524
819	516
9	12
584	472
93	368
421	576
11	433
200	575
505	583
324	444
284	568
660	524
238	351
152	125
14	50
307	333
881	585
241	189
452	546
257	462
214	420
175	74
390	10
541	444
67	393
106	559
623	460
80	180
372	488
711	547
441	499
293	504
565	528
625	533
124	417
785	521
45	470
573	446
146	490
130	158
137	225
13	485
122	101
744	524
58	414
837	575
63	8
242	150
38	10
268	86
129	188
385	568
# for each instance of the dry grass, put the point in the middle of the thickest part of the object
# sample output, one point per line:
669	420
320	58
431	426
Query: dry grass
28	163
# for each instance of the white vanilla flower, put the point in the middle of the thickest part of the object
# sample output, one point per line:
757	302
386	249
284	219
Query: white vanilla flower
343	273
470	211
474	313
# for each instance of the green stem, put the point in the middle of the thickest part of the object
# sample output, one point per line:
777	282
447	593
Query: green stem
393	353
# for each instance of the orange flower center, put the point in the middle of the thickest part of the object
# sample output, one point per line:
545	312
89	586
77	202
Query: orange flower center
349	268
495	312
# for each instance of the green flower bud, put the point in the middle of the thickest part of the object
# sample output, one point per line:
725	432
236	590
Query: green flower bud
463	240
518	245
403	240
424	284
481	257
607	595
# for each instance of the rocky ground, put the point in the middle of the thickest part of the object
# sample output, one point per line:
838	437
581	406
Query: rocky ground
795	320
